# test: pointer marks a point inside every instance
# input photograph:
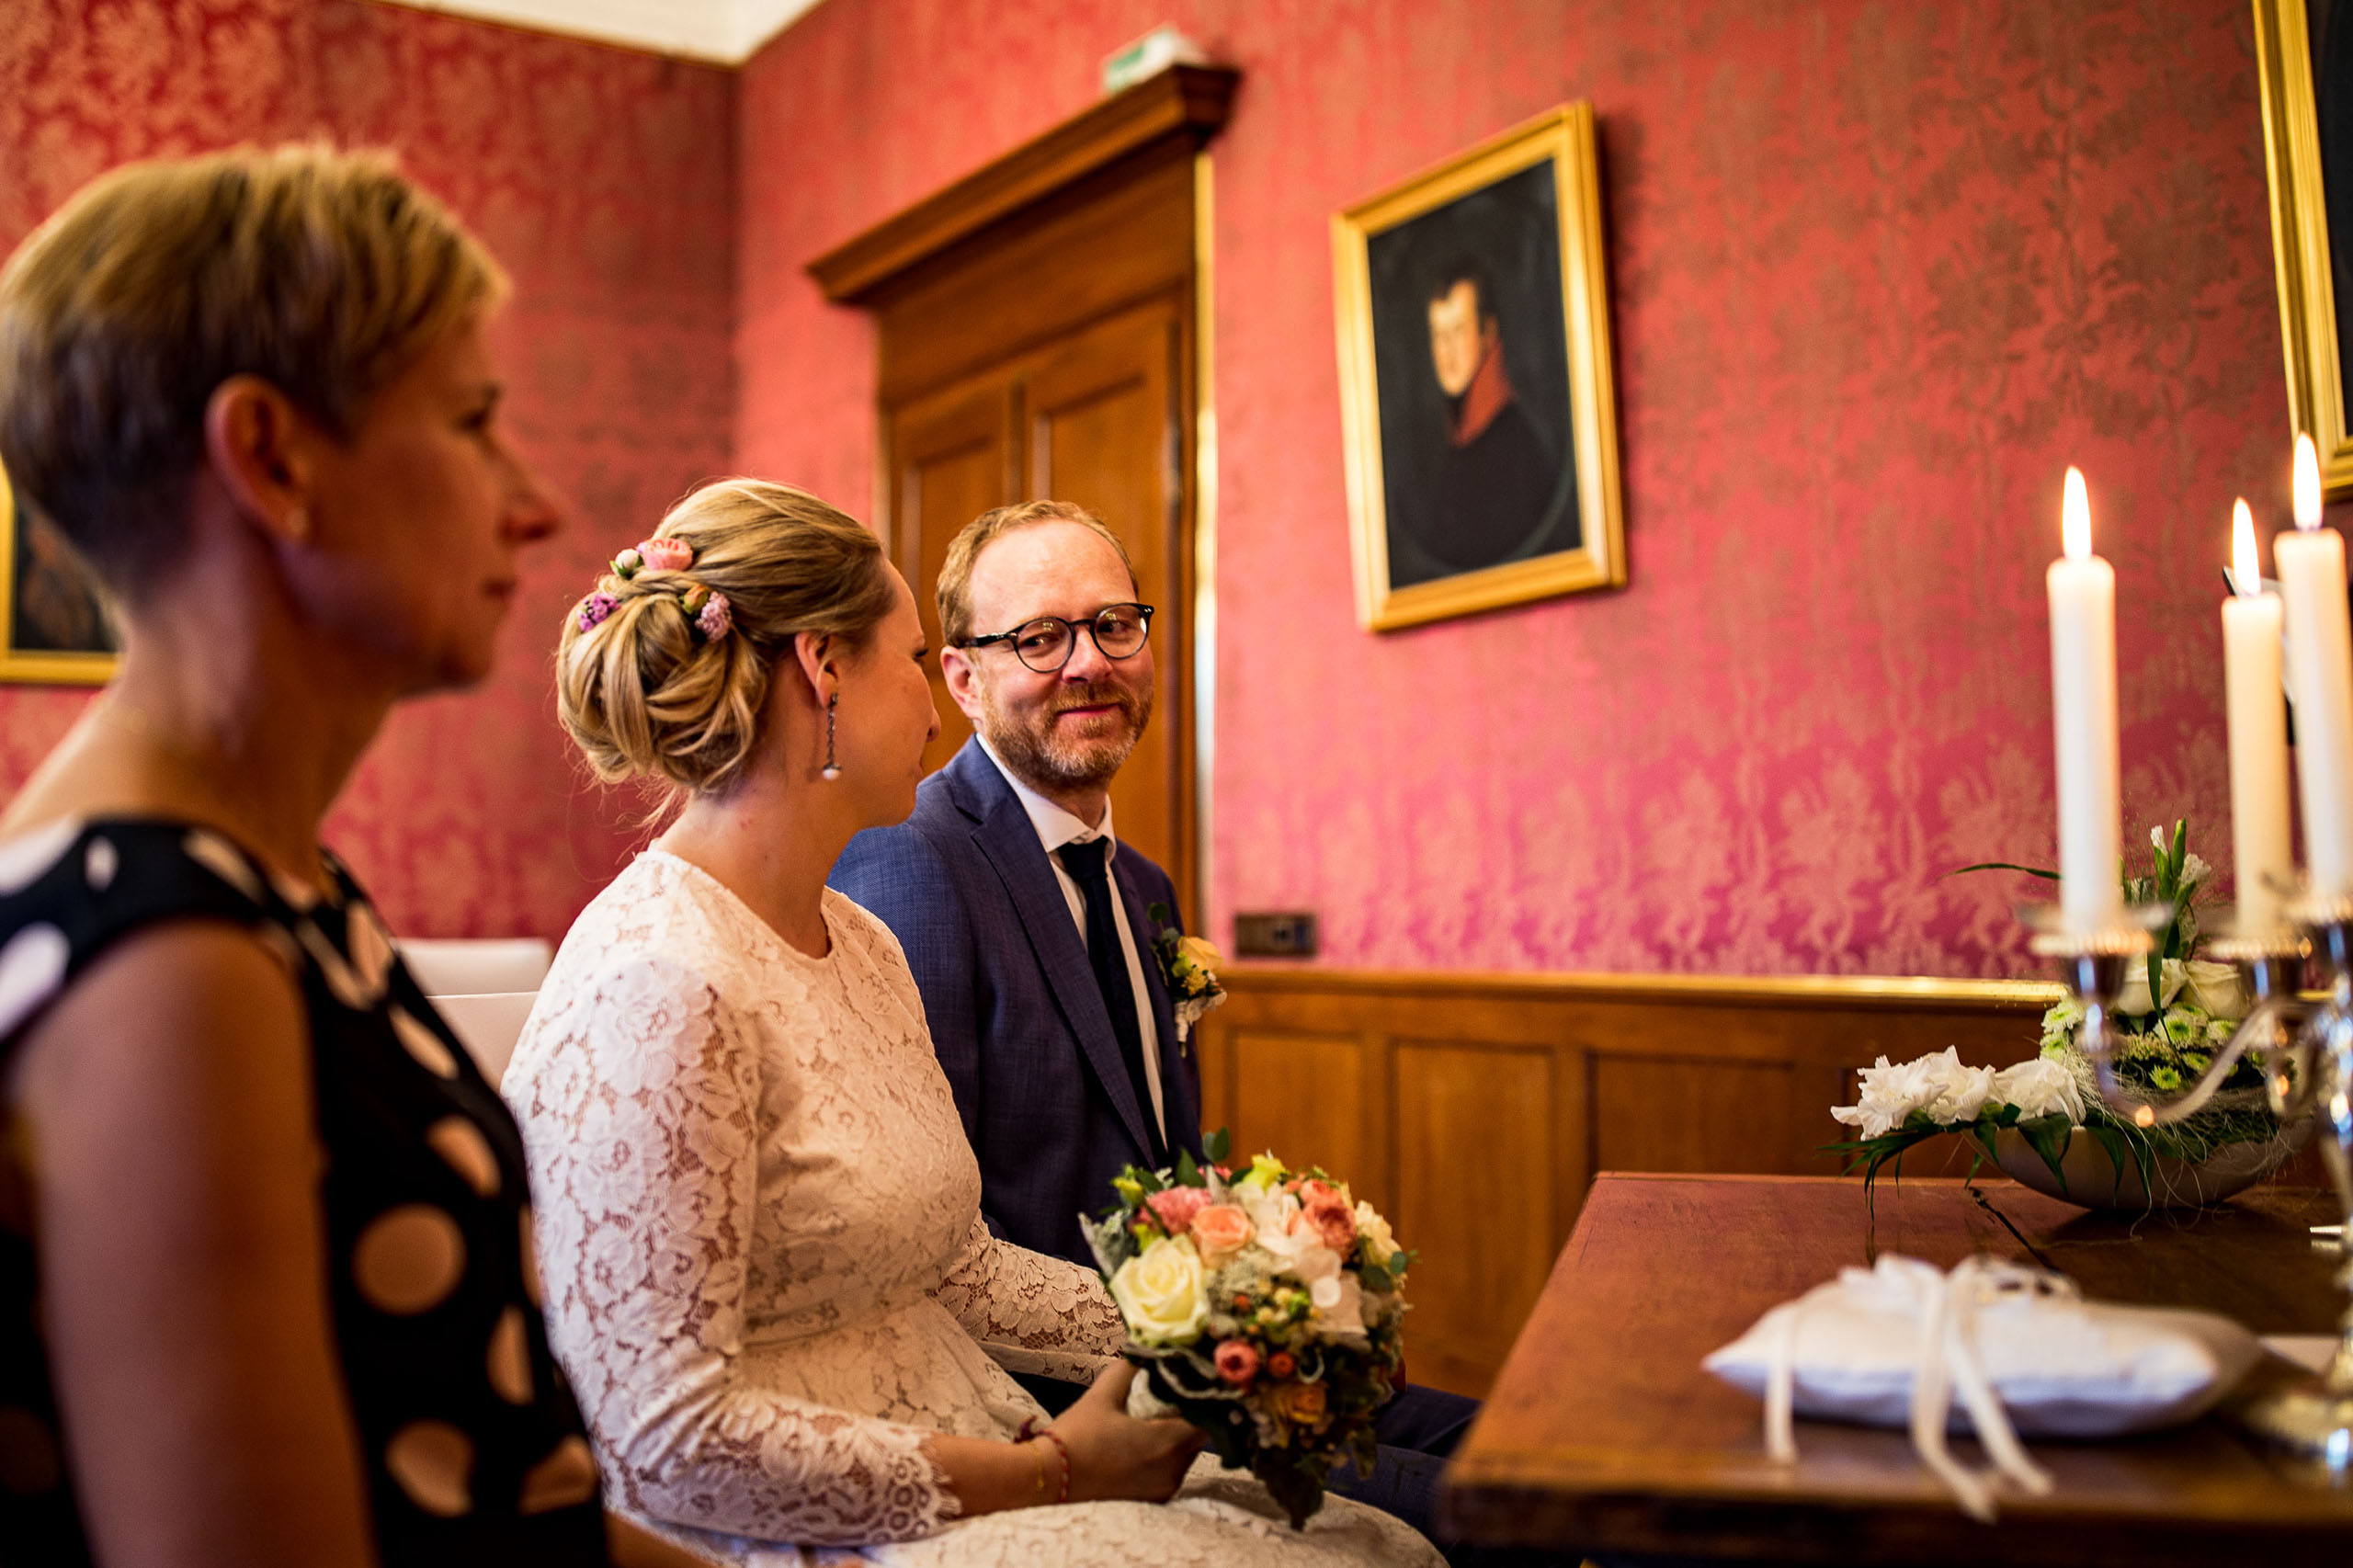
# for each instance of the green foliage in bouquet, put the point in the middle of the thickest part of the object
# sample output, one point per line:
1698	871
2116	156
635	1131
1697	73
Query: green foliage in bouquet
1264	1308
2174	1014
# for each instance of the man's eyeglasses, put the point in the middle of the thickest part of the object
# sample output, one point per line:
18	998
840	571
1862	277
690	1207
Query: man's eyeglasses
1046	643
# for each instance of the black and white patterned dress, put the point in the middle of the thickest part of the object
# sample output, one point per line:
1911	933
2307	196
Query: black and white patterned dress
474	1447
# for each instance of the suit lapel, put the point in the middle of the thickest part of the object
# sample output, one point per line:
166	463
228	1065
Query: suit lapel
1010	842
1181	1116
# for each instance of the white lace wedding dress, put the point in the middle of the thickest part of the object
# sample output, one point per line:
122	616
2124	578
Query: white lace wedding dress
765	1270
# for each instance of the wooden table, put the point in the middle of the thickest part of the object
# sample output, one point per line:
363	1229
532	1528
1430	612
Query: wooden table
1604	1434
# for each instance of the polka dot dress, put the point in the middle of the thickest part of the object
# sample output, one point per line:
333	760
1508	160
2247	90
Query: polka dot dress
474	1447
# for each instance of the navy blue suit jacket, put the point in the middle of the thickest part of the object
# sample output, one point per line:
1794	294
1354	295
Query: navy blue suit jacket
1015	1011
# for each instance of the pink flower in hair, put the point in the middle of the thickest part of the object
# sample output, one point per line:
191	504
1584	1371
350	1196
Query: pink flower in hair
594	611
665	554
714	620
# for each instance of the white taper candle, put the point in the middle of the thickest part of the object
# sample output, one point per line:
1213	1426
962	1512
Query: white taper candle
2320	672
2082	718
2259	731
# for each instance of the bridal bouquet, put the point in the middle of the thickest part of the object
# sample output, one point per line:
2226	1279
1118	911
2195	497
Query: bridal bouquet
1264	1308
2176	1010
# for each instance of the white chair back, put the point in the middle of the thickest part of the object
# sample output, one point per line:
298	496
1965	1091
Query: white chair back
477	967
490	1026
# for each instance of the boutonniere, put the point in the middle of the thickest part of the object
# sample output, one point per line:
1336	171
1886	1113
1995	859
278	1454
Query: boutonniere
1189	965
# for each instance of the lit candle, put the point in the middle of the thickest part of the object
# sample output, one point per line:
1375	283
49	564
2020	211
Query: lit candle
2320	673
2258	727
2082	718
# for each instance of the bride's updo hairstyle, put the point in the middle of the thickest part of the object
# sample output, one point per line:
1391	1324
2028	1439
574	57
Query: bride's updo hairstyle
644	686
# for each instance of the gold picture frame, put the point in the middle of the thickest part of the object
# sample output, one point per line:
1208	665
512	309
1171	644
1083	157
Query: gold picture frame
22	665
2302	255
1439	483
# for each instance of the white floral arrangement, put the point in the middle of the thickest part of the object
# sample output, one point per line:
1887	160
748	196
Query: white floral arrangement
2174	1013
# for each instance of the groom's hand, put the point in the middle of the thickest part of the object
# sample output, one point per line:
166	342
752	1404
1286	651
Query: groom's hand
1113	1455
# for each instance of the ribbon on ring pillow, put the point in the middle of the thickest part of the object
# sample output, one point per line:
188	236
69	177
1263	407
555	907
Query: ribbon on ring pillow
1944	1306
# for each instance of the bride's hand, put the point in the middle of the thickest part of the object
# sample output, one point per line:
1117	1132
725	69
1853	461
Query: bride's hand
1113	1455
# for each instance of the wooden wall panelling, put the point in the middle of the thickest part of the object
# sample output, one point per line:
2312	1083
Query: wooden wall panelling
1477	1151
1478	1108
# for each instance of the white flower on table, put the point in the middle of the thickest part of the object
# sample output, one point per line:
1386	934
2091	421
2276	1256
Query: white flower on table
1938	1085
2040	1087
2133	1000
2214	987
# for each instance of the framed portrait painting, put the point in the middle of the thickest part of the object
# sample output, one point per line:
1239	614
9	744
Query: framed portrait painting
2304	61
55	627
1477	400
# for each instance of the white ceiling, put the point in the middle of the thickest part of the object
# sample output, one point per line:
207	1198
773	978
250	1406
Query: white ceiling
724	30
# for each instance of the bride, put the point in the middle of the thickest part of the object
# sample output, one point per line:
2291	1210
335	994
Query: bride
759	1221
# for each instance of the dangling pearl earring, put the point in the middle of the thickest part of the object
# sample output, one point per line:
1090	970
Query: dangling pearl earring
832	769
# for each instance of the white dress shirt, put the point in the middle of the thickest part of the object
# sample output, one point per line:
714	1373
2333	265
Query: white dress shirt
1055	828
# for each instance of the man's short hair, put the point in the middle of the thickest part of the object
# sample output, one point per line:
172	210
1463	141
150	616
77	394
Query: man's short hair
955	590
325	273
1465	269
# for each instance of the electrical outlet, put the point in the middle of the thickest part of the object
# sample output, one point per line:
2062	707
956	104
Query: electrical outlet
1283	935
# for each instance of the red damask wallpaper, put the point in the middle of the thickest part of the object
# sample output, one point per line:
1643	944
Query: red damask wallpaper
605	181
1880	271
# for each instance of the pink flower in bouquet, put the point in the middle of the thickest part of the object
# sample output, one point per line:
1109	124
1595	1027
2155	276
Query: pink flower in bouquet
665	554
1237	1361
1282	1365
1220	1230
1176	1206
1334	1220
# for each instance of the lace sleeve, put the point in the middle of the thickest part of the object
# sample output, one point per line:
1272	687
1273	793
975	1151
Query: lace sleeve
1032	1313
640	1123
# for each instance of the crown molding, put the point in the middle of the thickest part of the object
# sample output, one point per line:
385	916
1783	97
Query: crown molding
721	33
1183	101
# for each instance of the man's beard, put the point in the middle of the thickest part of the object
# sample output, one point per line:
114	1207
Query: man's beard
1030	745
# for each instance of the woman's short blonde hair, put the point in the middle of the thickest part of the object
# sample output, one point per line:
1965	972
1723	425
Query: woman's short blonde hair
647	695
325	273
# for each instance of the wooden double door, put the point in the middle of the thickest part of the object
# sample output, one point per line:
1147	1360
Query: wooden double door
1093	416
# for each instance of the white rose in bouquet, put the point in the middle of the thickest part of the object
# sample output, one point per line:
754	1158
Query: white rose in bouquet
1380	1241
2133	1002
2214	987
1160	1293
2041	1087
1339	1307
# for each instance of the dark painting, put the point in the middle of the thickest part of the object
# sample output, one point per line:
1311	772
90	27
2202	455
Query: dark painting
59	626
2331	25
1470	349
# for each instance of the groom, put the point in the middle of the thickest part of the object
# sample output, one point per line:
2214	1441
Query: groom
1028	925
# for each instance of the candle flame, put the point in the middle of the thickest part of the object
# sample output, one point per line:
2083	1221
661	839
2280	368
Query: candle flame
2307	484
2144	1116
2075	517
2247	567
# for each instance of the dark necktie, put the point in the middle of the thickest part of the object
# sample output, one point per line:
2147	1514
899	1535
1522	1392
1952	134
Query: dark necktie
1086	864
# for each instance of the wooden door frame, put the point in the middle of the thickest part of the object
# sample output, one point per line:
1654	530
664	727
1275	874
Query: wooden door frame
1130	138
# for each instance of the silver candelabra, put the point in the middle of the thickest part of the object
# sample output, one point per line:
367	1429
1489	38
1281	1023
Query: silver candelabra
2305	1051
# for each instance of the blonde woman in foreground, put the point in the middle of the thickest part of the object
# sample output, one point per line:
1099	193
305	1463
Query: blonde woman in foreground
265	1293
759	1221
